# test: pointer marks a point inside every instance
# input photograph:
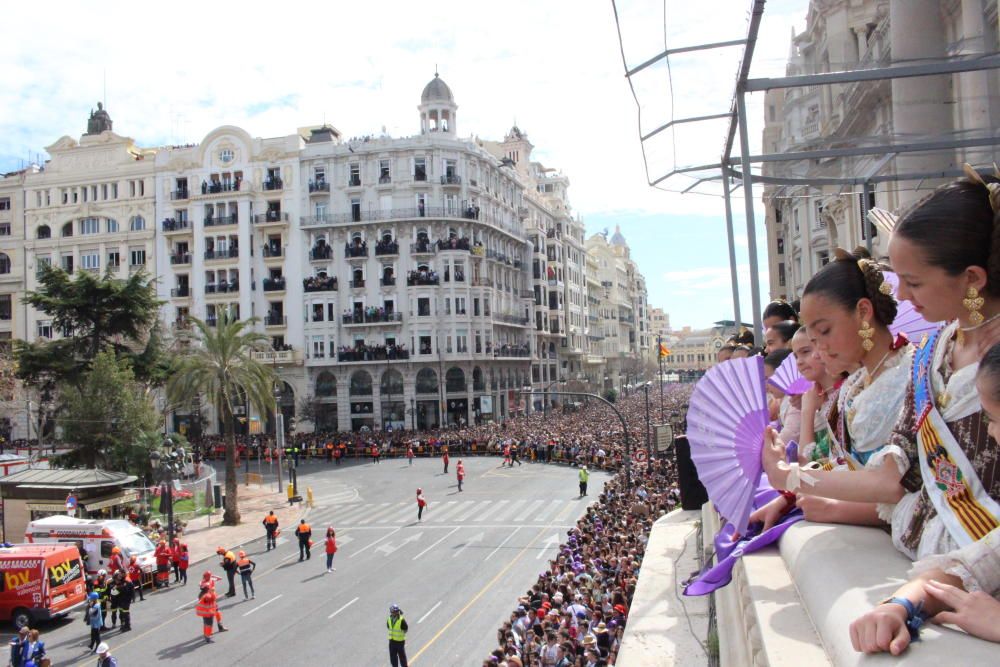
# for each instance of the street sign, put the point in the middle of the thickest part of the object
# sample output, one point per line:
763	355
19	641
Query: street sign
71	502
664	436
639	456
486	405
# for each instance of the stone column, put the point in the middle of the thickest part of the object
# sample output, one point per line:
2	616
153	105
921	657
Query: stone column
973	93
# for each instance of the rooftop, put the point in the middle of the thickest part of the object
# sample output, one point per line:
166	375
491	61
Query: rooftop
59	478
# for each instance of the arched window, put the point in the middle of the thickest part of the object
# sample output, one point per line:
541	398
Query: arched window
455	380
44	232
4	263
137	223
361	384
326	385
392	383
67	230
386	236
478	383
427	381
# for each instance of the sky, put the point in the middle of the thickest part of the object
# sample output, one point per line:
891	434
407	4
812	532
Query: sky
171	73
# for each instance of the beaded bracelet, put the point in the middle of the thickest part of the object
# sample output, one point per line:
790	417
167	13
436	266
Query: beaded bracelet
915	616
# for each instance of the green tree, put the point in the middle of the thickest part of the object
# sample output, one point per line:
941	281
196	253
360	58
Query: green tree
221	368
109	417
94	313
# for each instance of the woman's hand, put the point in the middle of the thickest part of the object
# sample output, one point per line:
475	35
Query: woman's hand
977	613
817	509
772	453
811	400
881	629
769	514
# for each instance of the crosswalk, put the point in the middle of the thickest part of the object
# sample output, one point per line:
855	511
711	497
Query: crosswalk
520	512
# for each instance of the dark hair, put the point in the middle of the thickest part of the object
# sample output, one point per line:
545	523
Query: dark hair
775	358
780	308
744	337
786	329
728	346
989	368
850	278
955	228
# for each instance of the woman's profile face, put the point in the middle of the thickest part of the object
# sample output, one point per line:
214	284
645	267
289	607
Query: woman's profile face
935	294
834	331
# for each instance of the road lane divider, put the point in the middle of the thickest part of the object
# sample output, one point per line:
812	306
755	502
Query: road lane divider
500	546
430	611
342	609
263	605
436	543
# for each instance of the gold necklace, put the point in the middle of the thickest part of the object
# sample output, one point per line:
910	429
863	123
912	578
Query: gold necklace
874	372
960	333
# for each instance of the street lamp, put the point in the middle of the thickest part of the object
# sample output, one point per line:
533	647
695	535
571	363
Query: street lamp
279	430
167	465
621	418
649	448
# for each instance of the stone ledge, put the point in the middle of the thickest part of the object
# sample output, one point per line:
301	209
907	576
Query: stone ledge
661	620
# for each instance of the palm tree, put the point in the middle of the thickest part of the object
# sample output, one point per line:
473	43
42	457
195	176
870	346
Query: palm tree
222	369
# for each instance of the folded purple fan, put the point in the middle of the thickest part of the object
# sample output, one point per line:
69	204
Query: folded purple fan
908	320
788	378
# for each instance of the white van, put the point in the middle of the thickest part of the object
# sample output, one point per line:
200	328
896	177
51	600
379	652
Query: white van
95	539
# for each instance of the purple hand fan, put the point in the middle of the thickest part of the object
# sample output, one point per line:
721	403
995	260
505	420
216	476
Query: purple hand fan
726	417
788	378
908	320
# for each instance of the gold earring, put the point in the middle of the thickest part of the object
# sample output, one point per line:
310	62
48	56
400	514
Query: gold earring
866	332
973	302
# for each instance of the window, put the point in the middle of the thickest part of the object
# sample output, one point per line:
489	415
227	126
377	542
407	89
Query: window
317	312
319	174
45	329
90	260
114	259
42	263
44	232
67	263
384	173
67	230
90	226
137	224
420	169
5	229
355	178
137	257
4	306
318	347
424	306
112	226
4	203
425	345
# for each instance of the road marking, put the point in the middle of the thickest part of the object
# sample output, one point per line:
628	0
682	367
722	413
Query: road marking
388	549
186	604
342	609
469	509
264	605
549	509
530	509
429	612
384	537
493	508
510	509
378	513
478	537
501	544
448	508
554	540
436	543
476	597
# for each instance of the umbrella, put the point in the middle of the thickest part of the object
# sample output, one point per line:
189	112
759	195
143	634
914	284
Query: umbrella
908	320
726	417
788	378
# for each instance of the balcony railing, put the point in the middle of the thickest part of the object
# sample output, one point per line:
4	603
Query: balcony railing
431	278
211	321
373	353
318	284
229	253
180	193
179	292
451	179
274	284
422	248
172	225
184	258
388	282
321	253
391	248
216	187
357	284
223	287
481	282
384	179
275	356
526	294
520	351
271	251
469	213
182	324
454	244
274	320
352	251
273	183
319	186
354	181
221	220
378	317
270	216
510	319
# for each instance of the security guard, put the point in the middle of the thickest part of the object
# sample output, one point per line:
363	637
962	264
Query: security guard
246	568
229	565
584	478
397	637
304	532
271	526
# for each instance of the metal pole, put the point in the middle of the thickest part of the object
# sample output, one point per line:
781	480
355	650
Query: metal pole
866	226
279	439
741	108
649	448
659	342
733	276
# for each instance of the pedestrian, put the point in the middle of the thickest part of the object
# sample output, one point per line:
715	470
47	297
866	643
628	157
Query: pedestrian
421	504
460	474
135	574
103	588
208	611
331	548
514	455
183	558
304	532
122	595
397	637
409	454
444	459
33	650
104	657
246	568
584	478
271	529
162	555
17	647
506	456
375	453
175	559
95	619
116	563
228	564
114	595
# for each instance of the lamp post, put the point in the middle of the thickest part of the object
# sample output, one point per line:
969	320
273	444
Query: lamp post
167	464
621	418
279	430
649	447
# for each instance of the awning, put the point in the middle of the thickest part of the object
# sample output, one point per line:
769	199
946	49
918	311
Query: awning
46	507
111	501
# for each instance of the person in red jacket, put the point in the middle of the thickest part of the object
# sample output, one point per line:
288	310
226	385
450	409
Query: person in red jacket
116	563
135	574
409	455
181	560
331	548
421	504
444	459
460	474
162	555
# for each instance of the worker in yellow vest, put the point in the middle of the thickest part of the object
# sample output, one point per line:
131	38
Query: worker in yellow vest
397	637
584	478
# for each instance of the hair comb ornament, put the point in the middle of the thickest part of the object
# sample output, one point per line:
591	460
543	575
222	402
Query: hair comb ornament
992	189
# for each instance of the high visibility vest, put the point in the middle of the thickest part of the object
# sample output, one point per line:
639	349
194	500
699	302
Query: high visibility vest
206	606
303	529
584	475
244	566
270	519
396	632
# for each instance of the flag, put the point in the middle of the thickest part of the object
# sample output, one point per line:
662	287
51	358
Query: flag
663	350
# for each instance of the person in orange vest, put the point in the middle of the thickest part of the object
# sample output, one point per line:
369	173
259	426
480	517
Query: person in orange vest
135	574
271	526
304	532
116	564
246	568
338	453
162	555
444	459
207	609
331	548
460	474
208	584
329	451
421	504
228	564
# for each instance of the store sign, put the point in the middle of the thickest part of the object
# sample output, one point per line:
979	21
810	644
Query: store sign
486	405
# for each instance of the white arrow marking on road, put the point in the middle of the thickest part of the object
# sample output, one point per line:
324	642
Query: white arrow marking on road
429	612
388	549
478	537
342	608
549	542
263	605
436	543
501	544
386	536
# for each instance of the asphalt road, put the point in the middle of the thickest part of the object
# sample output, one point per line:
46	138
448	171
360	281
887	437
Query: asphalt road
456	574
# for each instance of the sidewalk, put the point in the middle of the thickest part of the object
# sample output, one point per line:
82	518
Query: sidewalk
254	504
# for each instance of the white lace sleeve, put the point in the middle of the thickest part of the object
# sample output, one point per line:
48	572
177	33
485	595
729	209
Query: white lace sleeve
893	452
977	565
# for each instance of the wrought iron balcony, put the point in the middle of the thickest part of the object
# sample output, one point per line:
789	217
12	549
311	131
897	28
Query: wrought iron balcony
371	318
272	251
357	284
228	253
275	320
180	258
353	251
180	193
322	252
318	284
273	284
388	282
382	248
179	292
270	216
171	225
319	186
273	183
354	181
451	179
221	220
